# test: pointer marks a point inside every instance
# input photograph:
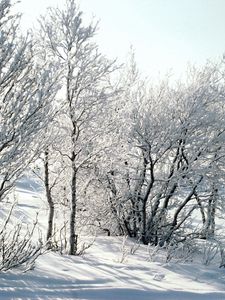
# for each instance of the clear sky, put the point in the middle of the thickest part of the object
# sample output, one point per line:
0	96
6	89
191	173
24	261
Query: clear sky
166	34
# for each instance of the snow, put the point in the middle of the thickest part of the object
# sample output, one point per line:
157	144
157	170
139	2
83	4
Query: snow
107	270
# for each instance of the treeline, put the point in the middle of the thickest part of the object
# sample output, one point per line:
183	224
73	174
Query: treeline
121	154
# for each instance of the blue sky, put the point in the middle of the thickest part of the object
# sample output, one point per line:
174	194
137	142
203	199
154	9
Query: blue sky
166	34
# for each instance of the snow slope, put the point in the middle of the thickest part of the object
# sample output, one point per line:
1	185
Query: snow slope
107	270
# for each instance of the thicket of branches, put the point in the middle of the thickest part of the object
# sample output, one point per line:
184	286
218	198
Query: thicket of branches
120	155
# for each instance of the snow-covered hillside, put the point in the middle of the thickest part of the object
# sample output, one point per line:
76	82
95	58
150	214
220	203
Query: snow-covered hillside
112	268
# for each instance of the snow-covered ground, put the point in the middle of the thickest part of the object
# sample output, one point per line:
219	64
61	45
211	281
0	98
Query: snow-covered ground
107	270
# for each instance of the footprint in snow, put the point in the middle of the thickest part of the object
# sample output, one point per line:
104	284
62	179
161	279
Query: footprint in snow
159	277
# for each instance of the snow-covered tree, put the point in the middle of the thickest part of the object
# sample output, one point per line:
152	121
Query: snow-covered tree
173	166
87	90
26	90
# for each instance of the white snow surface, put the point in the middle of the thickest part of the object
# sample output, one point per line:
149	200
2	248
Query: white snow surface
106	271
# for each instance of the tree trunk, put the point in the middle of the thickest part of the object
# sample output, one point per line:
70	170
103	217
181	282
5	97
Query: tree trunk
144	234
73	236
49	199
209	229
174	226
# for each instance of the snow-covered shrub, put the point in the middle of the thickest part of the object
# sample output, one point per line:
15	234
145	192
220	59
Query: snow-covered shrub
181	252
135	246
153	251
210	251
222	255
16	245
124	250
